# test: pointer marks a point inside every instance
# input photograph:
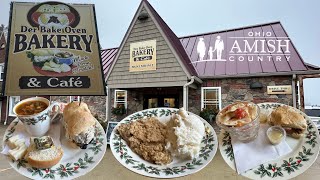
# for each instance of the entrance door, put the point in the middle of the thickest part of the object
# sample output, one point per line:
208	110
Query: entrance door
161	97
160	101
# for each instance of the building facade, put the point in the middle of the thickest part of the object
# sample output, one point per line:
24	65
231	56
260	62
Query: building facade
154	68
209	70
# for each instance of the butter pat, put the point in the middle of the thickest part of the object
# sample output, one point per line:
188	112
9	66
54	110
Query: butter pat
276	134
44	142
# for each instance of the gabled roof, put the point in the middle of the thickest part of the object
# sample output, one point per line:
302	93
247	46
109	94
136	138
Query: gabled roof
295	65
108	56
172	40
245	68
175	42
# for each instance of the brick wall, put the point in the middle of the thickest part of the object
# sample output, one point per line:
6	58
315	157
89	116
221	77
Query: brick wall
134	103
239	90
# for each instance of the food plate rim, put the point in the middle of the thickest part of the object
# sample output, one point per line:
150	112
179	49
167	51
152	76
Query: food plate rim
141	172
270	173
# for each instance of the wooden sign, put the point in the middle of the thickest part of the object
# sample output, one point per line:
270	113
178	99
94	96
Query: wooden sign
286	89
53	50
143	56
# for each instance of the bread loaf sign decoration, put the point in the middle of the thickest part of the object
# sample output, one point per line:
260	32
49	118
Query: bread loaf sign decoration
53	50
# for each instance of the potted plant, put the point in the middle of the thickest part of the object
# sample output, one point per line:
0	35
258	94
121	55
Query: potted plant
119	110
209	114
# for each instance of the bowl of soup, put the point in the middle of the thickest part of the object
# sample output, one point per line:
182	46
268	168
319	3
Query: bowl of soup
64	58
34	113
28	108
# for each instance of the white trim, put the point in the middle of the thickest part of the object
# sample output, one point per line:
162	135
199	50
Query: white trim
12	104
125	97
202	95
1	71
124	40
166	38
71	98
107	103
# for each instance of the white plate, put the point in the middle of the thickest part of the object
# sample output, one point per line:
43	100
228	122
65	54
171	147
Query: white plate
304	152
178	167
74	163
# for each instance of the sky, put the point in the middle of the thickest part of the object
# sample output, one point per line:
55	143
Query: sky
185	17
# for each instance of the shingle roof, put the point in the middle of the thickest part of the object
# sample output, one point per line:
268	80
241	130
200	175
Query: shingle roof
174	40
214	69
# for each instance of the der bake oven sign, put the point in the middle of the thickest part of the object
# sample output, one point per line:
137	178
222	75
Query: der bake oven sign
143	56
53	50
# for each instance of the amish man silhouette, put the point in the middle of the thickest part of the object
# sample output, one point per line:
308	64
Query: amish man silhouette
219	47
201	49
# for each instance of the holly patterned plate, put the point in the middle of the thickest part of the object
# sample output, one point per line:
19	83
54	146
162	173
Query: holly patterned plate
304	152
178	167
75	161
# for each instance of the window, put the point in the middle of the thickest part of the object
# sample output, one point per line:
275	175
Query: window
120	98
74	98
13	100
1	71
152	103
169	102
211	97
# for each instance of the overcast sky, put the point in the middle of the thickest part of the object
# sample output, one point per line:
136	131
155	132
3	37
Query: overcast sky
299	18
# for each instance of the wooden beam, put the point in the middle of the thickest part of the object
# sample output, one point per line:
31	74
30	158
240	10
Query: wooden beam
309	76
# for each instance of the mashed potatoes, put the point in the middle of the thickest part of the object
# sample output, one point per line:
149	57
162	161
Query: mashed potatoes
185	133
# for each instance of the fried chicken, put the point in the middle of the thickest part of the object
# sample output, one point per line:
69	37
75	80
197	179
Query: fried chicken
147	138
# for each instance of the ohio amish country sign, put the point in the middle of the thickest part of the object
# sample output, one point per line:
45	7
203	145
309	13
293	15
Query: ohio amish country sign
53	50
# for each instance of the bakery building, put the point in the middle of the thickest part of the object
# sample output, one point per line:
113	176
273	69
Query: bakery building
255	63
155	68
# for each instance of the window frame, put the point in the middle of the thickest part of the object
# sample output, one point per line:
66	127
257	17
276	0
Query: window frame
202	95
11	105
125	98
72	98
1	72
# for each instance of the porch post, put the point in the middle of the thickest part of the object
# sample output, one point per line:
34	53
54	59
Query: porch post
108	105
185	97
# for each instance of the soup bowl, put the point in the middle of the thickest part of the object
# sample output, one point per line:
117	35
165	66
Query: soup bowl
66	59
37	124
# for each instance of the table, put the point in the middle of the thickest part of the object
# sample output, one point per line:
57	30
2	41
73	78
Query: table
110	168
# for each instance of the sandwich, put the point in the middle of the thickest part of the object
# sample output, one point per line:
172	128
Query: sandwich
79	124
293	122
17	147
42	153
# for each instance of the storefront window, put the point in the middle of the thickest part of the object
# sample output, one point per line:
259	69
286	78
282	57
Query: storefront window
120	99
13	100
153	103
211	98
169	102
1	71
